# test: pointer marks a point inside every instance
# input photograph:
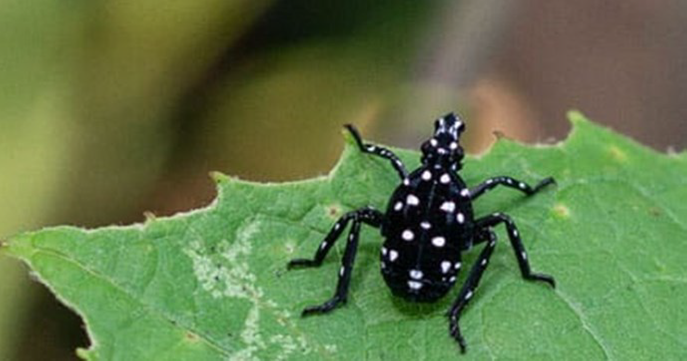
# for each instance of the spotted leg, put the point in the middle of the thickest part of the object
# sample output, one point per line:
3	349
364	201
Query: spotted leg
469	287
509	182
378	151
515	241
366	215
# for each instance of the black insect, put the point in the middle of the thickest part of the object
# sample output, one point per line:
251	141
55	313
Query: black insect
429	221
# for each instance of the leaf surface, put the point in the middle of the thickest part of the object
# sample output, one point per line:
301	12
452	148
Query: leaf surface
211	284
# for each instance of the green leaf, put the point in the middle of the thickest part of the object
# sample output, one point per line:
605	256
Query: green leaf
211	284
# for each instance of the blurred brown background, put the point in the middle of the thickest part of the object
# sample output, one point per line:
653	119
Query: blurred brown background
112	108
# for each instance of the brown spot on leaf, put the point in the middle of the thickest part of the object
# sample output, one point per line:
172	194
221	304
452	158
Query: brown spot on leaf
561	210
333	211
192	337
617	154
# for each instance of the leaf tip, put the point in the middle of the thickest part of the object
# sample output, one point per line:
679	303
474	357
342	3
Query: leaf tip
576	117
8	246
149	216
219	177
84	354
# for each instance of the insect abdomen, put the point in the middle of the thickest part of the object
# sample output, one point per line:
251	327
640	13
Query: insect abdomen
424	282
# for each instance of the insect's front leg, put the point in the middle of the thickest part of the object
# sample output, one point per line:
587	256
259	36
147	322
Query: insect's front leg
491	183
366	215
469	287
378	151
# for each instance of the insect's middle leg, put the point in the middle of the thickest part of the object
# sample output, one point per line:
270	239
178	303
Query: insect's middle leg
509	182
366	215
516	242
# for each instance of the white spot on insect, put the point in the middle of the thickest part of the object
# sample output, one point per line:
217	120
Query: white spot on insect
524	255
445	266
412	200
460	218
408	235
515	232
445	178
448	206
393	255
323	245
522	185
490	181
398	206
414	285
509	181
468	295
372	148
453	145
492	243
425	225
484	262
384	251
452	279
415	274
337	226
441	150
383	265
342	270
465	192
433	142
426	175
457	265
439	241
406	182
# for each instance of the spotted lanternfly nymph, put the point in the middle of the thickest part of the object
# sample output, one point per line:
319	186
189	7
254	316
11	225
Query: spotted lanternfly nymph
429	221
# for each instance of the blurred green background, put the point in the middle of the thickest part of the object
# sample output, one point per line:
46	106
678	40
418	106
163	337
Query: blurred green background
109	109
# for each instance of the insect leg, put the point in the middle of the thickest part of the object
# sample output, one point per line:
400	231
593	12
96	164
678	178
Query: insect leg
469	287
518	247
366	215
511	183
326	244
378	151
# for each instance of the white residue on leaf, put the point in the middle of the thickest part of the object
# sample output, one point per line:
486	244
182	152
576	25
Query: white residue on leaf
223	271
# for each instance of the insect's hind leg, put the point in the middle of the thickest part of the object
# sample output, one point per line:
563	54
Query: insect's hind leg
378	151
469	287
369	216
516	242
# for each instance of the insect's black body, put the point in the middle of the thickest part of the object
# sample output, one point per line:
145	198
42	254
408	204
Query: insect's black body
426	237
429	221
